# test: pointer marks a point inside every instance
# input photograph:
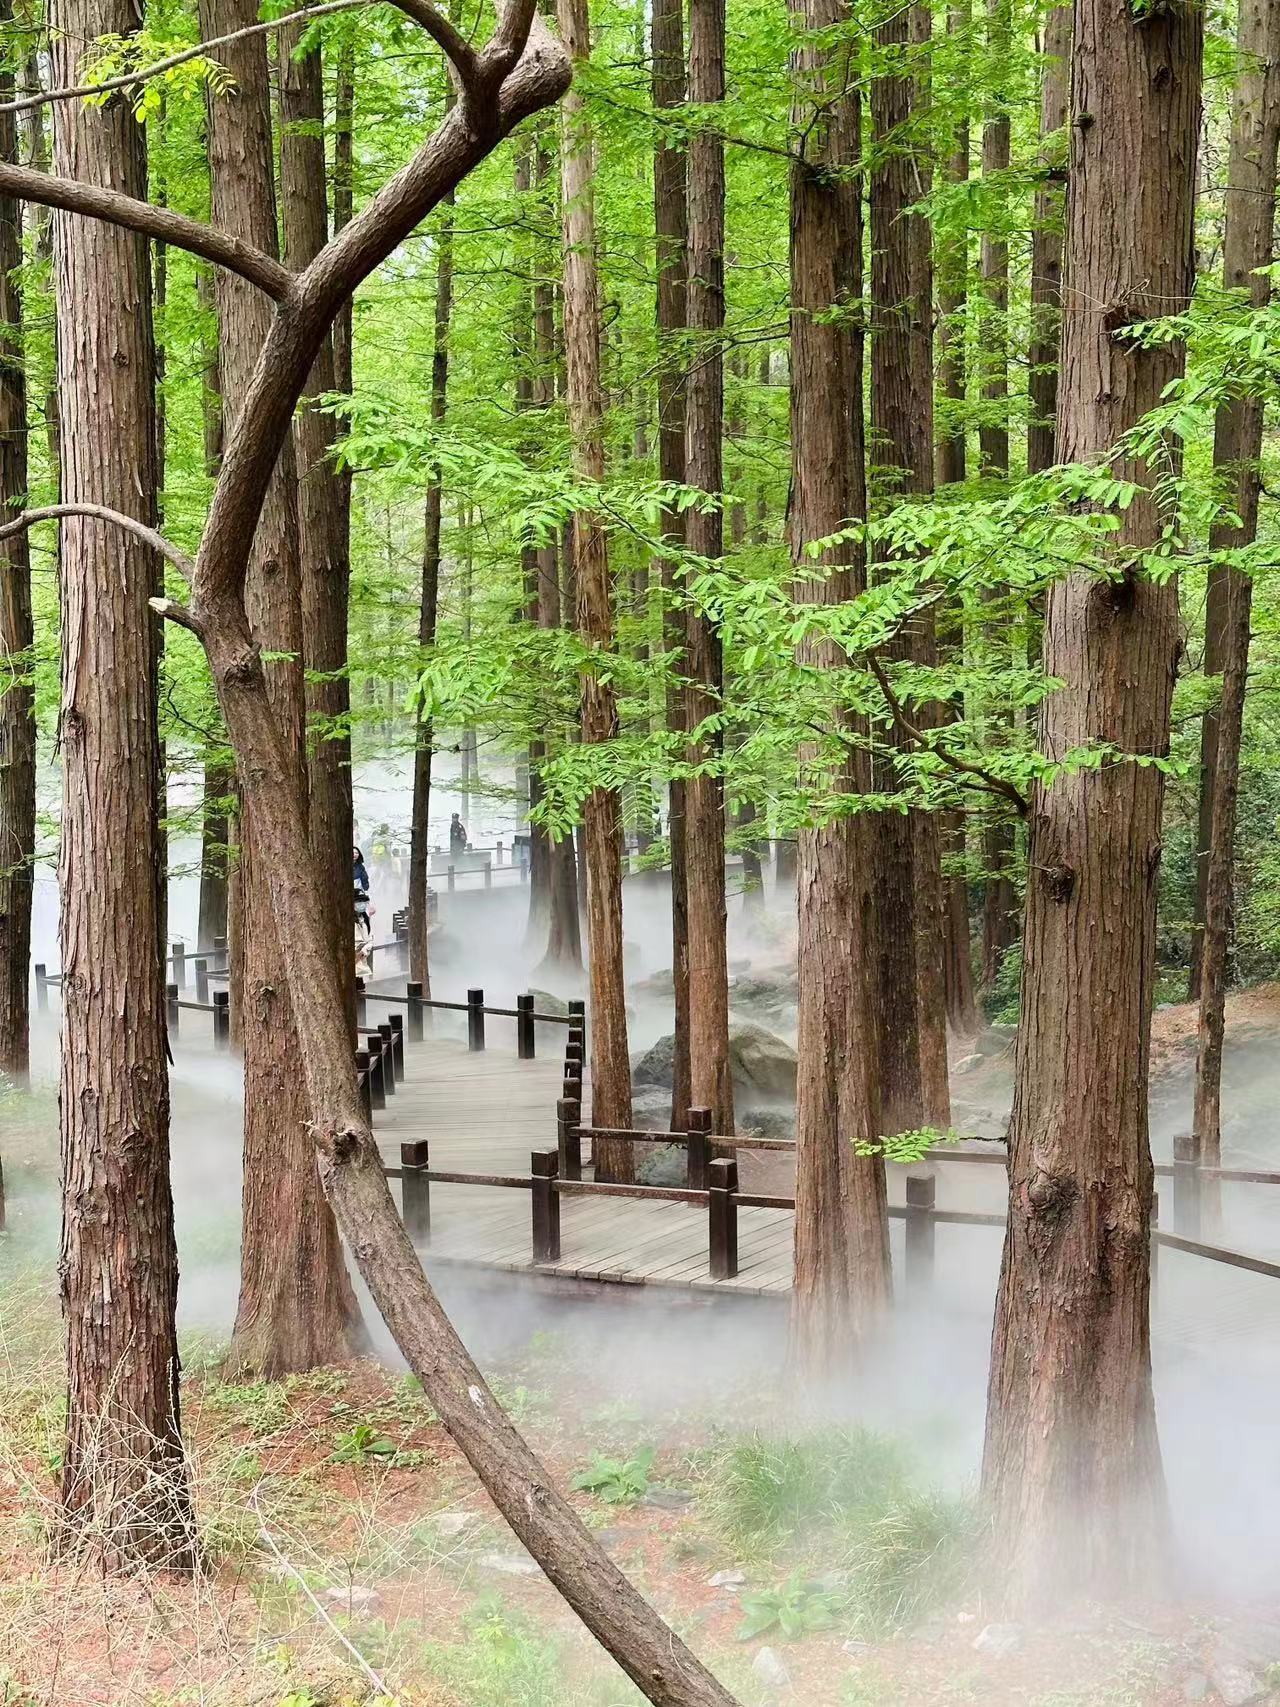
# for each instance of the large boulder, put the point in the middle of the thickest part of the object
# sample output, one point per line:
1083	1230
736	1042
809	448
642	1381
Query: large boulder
771	995
763	1066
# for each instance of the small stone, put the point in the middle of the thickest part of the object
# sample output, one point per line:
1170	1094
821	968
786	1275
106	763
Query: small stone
352	1599
856	1650
968	1063
770	1669
1195	1686
509	1564
727	1579
1236	1685
668	1499
998	1640
451	1523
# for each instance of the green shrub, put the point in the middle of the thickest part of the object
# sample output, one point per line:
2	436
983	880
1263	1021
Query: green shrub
765	1491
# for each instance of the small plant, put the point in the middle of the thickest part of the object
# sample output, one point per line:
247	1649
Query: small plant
617	1481
363	1444
916	1554
795	1607
765	1490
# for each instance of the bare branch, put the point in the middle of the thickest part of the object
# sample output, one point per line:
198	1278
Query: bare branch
130	79
99	512
510	37
459	50
160	223
995	784
172	611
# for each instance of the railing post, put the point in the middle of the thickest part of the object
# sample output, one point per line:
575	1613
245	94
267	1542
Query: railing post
396	1022
568	1137
388	1056
42	986
401	927
573	1058
179	958
451	878
698	1150
1186	1185
524	867
475	1021
364	1078
546	1207
222	1019
414	1011
220	953
524	1028
171	1008
922	1195
1155	1250
362	1006
578	1019
488	872
415	1190
202	980
722	1214
377	1074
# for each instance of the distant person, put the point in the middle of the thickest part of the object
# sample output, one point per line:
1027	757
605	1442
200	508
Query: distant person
360	870
360	878
457	835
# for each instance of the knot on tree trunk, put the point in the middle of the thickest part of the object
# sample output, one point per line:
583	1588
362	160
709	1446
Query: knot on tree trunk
1050	1197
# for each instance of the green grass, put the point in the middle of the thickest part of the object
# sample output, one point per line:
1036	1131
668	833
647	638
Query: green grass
765	1492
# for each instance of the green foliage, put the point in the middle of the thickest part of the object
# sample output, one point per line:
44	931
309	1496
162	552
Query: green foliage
795	1607
766	1491
617	1481
916	1554
363	1444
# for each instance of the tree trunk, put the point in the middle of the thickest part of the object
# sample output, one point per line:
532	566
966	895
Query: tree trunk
610	1063
1237	447
908	907
296	1307
1046	249
324	511
962	1004
710	1079
993	433
842	1274
953	276
1071	1471
670	242
214	854
125	1497
17	702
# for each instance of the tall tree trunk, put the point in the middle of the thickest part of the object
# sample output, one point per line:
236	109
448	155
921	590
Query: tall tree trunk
219	772
962	1002
1071	1471
670	243
17	701
1237	446
953	292
296	1305
125	1494
610	1064
1046	248
710	1078
908	905
842	1272
324	512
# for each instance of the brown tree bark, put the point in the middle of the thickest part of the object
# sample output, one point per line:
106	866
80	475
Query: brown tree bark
993	432
908	906
710	1078
1237	446
670	244
953	275
1071	1471
610	1063
214	855
1046	250
843	1279
296	1307
17	702
962	1003
324	509
124	1496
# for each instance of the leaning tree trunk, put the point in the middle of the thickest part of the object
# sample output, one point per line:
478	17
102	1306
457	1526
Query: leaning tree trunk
296	1307
17	703
908	905
125	1495
1071	1471
324	514
710	1078
842	1274
670	242
610	1064
1237	446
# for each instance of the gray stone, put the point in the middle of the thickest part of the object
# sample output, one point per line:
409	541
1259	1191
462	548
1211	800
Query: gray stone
969	1063
767	1123
856	1650
510	1564
664	1164
352	1599
770	1669
1195	1686
667	1499
763	1066
450	1523
1255	1640
995	1039
727	1579
1235	1684
544	1002
998	1640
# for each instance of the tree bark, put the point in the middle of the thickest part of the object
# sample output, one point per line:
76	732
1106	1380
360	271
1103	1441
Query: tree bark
843	1279
953	292
124	1497
710	1078
324	510
1071	1470
962	1003
296	1307
908	907
610	1063
1249	245
670	243
993	432
17	701
1046	249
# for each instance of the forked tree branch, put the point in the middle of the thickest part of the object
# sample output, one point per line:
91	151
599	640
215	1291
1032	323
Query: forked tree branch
99	512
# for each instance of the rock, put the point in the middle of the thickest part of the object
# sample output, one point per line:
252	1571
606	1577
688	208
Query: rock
1236	1685
667	1499
664	1165
1195	1686
763	1065
767	1123
451	1523
545	1003
657	1064
998	1640
352	1599
768	996
510	1564
969	1063
727	1579
770	1669
856	1650
994	1039
1256	1641
658	984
